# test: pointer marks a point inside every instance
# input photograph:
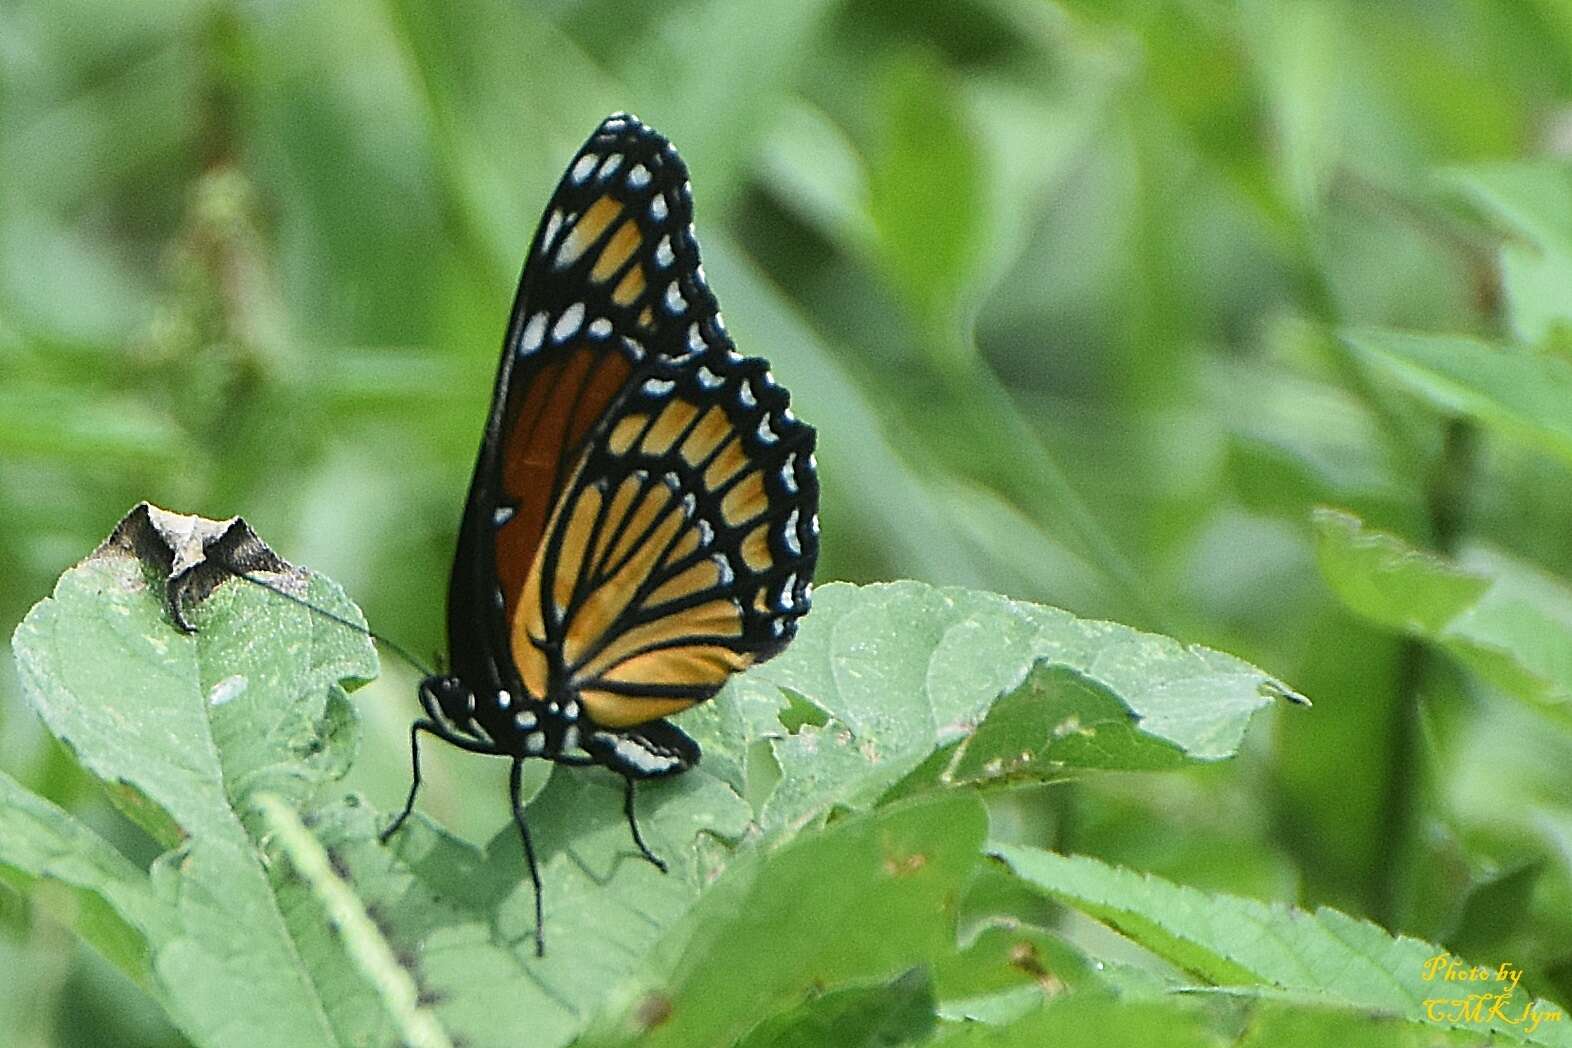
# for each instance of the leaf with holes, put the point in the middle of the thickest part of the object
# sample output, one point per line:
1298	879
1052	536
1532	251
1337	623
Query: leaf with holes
983	688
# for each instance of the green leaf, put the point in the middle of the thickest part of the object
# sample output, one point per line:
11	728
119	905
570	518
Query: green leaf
1092	1019
1272	950
1010	967
115	910
903	669
900	1013
1312	1026
372	955
1508	621
866	899
1525	396
187	729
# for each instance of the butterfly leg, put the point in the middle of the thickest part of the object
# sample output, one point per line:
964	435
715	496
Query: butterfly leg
515	781
633	824
414	783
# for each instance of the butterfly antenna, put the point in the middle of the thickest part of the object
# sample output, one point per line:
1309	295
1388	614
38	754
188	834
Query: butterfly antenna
396	649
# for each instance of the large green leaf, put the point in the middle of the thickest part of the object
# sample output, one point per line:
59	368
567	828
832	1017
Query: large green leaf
1272	950
866	899
1005	689
186	730
1507	620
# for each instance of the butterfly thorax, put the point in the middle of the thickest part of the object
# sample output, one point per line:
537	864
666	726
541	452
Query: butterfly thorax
507	722
557	729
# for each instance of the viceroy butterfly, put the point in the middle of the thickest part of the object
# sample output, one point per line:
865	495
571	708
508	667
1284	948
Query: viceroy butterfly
643	518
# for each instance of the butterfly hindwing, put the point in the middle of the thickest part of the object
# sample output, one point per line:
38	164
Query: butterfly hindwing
612	282
681	551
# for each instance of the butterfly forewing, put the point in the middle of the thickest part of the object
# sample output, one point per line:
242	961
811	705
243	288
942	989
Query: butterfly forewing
682	549
611	283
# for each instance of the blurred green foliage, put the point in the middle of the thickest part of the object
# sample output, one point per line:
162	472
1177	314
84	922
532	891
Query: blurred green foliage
1093	303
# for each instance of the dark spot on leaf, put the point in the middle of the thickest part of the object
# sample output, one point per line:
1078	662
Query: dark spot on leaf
406	958
336	860
428	998
904	865
652	1011
1023	956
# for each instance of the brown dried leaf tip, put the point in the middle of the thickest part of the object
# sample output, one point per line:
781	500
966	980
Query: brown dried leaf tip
189	556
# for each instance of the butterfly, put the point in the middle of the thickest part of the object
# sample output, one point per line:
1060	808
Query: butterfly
643	518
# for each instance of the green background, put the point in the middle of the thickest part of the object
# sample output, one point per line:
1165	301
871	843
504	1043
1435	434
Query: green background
1092	303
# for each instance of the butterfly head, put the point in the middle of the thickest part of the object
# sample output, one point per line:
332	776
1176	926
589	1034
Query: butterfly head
447	696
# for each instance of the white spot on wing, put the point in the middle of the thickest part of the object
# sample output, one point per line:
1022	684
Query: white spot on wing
707	378
636	756
664	255
609	168
745	395
675	303
695	338
766	434
789	534
535	743
501	515
659	387
638	177
504	699
525	719
570	737
658	208
789	475
582	169
553	224
600	327
568	323
534	333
